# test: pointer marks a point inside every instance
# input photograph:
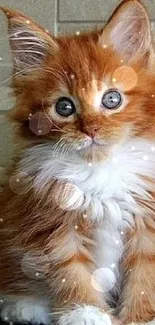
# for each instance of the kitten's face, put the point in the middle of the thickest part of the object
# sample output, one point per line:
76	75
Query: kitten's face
93	92
89	111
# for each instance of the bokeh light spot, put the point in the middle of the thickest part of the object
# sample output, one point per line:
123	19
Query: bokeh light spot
145	158
34	265
115	160
69	196
40	123
19	183
125	78
103	280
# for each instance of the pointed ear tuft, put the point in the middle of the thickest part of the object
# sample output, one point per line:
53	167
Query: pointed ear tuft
29	42
128	31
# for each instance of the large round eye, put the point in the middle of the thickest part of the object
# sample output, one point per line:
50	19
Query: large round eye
65	107
112	99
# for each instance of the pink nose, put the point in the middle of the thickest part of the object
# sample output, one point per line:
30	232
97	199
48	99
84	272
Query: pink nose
92	130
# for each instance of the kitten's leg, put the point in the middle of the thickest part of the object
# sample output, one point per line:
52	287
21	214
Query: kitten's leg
137	300
23	295
70	280
67	278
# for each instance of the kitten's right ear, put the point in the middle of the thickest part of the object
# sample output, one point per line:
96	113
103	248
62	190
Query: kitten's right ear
128	31
29	42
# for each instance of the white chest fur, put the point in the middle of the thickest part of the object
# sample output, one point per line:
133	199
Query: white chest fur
105	189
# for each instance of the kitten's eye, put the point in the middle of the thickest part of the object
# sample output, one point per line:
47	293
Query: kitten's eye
65	107
112	99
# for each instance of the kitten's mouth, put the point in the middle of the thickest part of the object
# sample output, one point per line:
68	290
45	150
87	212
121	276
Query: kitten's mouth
94	154
94	151
93	145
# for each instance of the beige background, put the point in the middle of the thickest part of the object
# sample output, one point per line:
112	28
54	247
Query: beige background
60	17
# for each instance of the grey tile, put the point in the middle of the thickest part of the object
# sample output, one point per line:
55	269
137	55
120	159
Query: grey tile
6	142
6	100
150	5
70	28
153	28
90	10
42	11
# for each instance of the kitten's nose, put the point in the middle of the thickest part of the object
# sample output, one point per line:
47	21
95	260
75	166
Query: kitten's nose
92	131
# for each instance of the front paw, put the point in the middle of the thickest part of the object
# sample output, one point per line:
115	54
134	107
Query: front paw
25	312
86	315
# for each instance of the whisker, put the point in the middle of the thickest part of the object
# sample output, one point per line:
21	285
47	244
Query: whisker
29	51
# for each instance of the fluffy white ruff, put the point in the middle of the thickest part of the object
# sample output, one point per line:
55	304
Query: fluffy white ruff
25	311
105	188
86	315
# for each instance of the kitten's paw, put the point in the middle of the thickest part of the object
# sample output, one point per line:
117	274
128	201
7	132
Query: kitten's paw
86	315
25	311
152	322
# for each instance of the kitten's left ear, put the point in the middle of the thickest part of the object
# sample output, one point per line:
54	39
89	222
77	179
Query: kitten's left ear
128	31
29	42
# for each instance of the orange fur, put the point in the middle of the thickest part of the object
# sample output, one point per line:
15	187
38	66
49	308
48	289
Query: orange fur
33	220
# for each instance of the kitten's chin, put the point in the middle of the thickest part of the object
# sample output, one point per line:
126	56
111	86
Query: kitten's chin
94	153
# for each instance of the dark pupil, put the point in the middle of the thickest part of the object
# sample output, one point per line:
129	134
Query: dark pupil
65	107
112	99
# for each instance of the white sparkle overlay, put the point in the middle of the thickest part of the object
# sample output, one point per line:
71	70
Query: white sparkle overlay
72	76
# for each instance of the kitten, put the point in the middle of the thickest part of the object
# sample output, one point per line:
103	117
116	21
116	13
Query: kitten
77	214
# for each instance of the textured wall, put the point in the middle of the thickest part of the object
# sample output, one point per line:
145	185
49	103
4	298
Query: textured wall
60	17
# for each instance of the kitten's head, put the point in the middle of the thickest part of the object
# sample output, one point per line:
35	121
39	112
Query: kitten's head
88	93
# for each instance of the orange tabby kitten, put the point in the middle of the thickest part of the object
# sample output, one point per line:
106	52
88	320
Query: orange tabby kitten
78	212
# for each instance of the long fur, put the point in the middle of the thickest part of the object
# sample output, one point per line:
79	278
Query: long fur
77	218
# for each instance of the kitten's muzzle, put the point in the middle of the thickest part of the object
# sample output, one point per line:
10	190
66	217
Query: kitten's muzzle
92	131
